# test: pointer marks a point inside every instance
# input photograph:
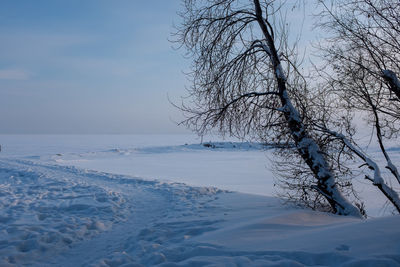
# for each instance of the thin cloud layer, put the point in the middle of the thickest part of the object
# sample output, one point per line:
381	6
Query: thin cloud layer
14	74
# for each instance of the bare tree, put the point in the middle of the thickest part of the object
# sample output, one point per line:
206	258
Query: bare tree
246	83
295	179
362	66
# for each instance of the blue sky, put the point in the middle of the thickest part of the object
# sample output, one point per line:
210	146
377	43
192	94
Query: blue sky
92	66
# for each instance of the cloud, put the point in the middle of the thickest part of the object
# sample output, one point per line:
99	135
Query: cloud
14	74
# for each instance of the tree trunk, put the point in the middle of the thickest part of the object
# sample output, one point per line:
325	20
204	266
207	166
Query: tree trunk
394	83
306	146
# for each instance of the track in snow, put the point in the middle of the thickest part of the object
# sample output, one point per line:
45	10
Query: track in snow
48	210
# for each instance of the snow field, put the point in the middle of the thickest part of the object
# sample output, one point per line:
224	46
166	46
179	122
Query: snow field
55	214
47	210
43	212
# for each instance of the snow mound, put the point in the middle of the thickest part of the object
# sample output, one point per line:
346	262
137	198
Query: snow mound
208	146
152	150
246	230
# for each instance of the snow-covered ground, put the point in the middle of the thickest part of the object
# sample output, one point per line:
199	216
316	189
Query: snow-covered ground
168	201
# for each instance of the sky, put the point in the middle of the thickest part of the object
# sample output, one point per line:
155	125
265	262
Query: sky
90	67
93	66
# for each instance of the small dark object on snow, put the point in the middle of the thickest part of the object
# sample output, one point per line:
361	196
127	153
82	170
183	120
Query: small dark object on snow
208	145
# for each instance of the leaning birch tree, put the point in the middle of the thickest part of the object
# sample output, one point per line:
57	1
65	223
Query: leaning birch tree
245	82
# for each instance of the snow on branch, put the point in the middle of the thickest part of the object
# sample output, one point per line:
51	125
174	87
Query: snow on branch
394	83
377	180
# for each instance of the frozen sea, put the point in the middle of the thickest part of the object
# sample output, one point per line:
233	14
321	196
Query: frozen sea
177	158
146	200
